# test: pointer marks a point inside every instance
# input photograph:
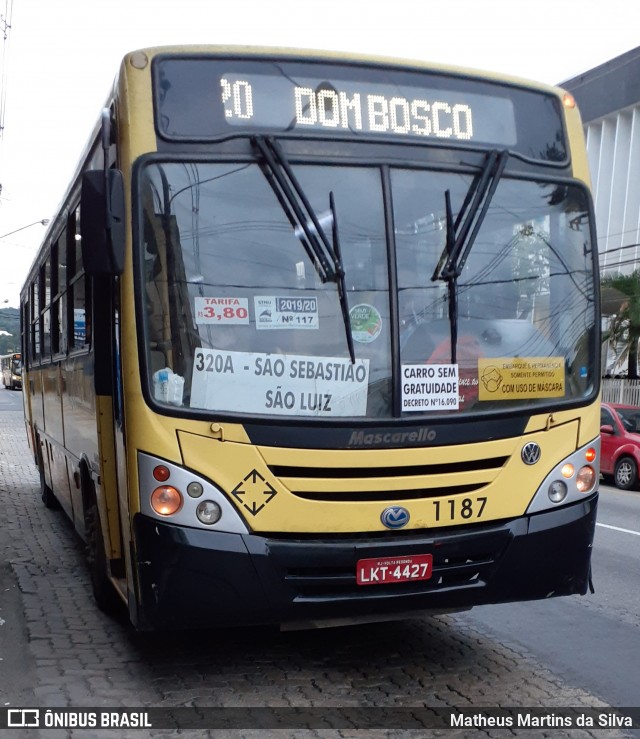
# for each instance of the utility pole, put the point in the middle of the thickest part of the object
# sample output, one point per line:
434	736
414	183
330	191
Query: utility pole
5	27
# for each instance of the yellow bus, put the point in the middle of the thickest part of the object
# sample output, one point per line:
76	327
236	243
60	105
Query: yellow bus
314	339
11	365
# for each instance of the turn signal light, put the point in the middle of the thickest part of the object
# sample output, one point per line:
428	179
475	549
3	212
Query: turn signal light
591	454
567	470
166	500
161	473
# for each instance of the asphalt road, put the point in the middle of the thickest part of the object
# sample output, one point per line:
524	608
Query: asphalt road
592	640
10	400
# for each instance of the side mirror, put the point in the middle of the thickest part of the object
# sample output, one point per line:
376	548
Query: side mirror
102	222
606	429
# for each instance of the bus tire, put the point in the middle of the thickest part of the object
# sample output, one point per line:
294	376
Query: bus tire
46	493
104	592
625	475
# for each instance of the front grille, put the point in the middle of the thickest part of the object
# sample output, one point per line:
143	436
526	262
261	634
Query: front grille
360	472
384	495
383	482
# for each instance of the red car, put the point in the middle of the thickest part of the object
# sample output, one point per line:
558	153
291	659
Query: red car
620	438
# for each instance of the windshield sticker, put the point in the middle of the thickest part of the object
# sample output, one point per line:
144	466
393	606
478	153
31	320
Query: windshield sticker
517	378
282	312
366	323
429	387
221	310
279	384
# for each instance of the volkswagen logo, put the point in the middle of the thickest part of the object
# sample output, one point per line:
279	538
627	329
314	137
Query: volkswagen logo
395	517
531	453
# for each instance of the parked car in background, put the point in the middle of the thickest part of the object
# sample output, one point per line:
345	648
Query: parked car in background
620	436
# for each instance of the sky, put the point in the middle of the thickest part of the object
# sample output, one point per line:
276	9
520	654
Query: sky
60	58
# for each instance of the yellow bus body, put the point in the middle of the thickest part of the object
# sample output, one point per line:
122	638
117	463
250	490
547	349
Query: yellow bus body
321	496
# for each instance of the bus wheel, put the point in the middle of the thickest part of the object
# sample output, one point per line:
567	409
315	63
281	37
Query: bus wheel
104	592
46	493
626	473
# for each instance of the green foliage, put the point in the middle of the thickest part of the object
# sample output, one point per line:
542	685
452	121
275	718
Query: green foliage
624	328
9	330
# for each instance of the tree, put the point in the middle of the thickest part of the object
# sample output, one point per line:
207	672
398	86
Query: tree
624	328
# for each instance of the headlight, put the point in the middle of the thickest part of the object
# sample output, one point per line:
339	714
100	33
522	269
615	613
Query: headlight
586	479
557	491
173	494
564	485
208	512
166	500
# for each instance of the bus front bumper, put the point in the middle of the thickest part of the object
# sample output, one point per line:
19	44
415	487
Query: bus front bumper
192	578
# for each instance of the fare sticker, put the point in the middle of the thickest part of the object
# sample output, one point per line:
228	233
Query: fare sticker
225	310
518	378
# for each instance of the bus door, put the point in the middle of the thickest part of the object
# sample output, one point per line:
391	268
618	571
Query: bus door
54	449
113	506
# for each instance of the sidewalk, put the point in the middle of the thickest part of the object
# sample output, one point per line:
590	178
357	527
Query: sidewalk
17	474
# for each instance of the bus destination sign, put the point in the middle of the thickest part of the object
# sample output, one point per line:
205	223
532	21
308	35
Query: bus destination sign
342	105
208	98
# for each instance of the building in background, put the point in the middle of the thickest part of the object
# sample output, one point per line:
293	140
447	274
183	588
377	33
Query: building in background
609	100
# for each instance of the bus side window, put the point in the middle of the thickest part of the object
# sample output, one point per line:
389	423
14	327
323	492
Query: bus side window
156	294
24	339
58	294
61	303
79	290
46	309
34	322
165	293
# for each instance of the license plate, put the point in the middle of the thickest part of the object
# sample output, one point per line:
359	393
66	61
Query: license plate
384	570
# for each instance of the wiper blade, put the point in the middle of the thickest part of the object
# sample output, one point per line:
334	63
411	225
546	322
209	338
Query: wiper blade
452	285
475	207
325	255
342	288
294	203
460	236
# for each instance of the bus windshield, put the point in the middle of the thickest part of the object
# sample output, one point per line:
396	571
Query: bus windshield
237	318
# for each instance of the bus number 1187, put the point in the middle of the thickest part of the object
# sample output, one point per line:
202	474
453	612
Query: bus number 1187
454	508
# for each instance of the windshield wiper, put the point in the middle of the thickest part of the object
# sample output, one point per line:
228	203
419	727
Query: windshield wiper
460	236
325	255
340	283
